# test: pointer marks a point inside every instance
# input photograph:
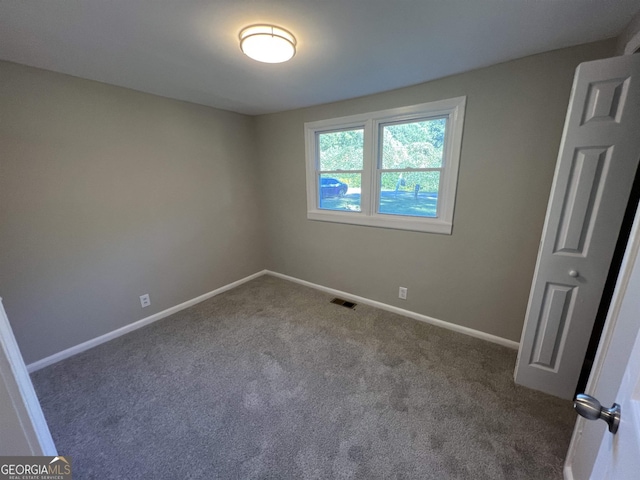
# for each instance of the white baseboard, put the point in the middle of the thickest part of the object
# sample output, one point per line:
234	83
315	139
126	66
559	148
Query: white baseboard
567	472
400	311
69	352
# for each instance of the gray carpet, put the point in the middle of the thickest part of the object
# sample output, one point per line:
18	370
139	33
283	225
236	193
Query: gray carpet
270	380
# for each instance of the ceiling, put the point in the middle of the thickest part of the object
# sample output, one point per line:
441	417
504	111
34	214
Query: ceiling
188	49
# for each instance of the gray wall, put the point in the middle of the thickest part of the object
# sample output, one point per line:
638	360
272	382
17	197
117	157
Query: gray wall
107	194
479	276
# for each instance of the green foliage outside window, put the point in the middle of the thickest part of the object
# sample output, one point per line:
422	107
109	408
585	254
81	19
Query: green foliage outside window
406	145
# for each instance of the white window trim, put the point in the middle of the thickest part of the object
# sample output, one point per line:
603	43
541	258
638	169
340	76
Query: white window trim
452	108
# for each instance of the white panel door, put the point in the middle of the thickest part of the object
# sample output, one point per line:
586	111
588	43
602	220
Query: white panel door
596	166
594	452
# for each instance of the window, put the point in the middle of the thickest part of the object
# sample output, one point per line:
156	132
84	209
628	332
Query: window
396	168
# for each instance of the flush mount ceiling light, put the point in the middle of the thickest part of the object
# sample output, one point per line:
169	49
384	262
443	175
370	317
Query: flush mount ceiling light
267	43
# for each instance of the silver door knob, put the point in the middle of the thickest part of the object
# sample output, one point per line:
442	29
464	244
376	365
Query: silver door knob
590	408
573	273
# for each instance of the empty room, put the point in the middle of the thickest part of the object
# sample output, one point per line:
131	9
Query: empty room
356	239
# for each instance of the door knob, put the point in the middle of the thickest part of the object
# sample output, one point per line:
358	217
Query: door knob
573	273
590	408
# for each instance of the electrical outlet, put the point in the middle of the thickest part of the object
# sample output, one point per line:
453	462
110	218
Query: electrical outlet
402	293
145	301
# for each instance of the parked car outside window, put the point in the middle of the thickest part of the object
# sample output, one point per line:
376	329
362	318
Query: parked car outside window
332	187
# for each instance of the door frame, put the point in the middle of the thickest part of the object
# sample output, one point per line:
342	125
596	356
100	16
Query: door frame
631	254
22	406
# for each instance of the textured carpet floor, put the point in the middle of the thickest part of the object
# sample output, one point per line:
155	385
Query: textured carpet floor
270	380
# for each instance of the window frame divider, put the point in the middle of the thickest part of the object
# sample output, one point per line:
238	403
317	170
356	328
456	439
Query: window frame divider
453	109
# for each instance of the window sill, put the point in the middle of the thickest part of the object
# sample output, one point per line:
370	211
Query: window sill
427	225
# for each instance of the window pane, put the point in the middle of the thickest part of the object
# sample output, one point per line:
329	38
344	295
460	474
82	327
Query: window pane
413	145
340	192
342	150
409	193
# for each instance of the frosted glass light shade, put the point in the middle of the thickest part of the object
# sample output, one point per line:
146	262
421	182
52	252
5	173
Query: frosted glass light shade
268	44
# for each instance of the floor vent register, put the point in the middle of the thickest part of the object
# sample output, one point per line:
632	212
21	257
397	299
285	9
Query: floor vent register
344	303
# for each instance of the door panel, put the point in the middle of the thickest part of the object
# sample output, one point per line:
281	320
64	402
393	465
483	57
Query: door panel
556	306
594	174
586	182
605	100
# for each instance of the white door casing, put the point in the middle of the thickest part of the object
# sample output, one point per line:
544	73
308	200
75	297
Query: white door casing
594	174
594	453
24	429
